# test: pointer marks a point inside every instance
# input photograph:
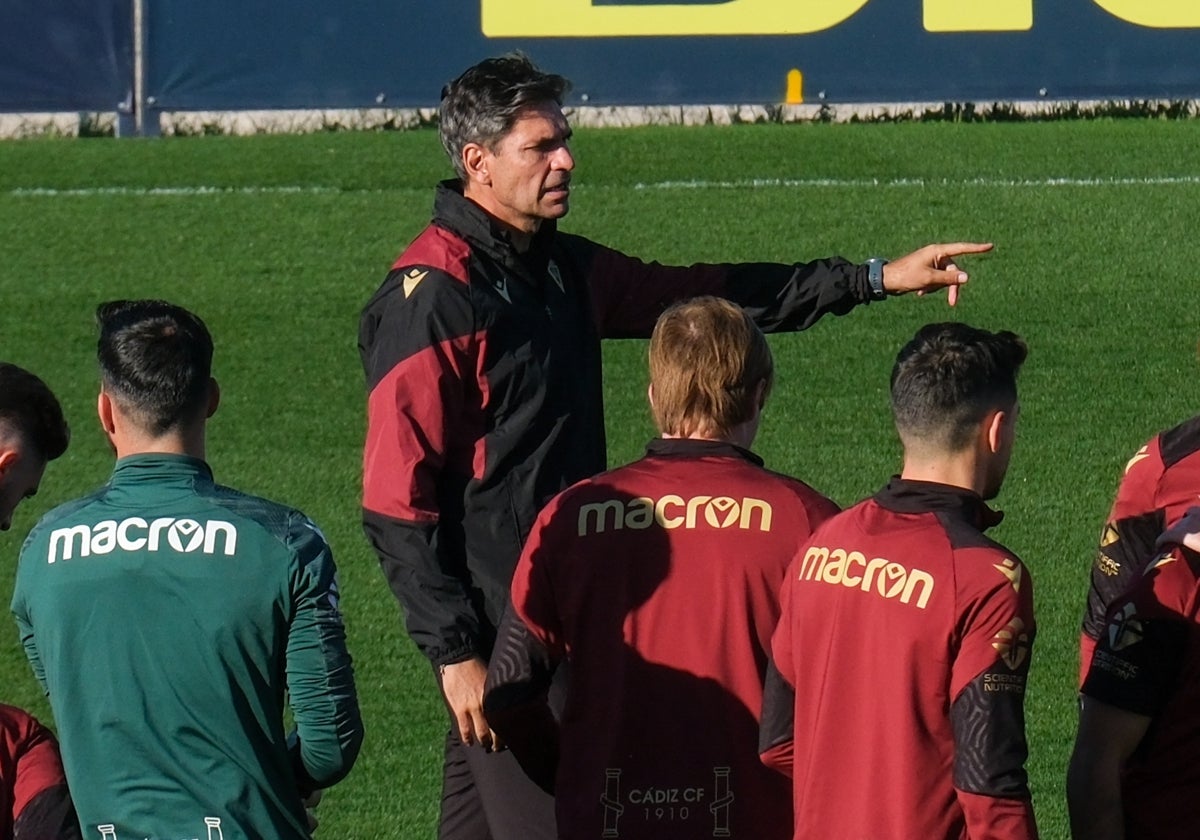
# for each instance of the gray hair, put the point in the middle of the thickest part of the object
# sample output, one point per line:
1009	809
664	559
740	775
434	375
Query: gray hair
482	105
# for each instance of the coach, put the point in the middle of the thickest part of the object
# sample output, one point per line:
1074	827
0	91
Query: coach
482	358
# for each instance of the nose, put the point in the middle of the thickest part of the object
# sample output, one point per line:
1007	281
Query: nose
563	159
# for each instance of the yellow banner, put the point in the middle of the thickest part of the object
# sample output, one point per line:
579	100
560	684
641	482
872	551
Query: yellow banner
1159	14
992	16
581	19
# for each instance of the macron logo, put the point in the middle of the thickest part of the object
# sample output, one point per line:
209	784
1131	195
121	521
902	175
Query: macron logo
185	536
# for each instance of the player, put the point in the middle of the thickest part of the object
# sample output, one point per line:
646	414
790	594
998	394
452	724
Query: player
906	634
1135	770
166	616
658	583
32	432
1161	481
34	801
482	357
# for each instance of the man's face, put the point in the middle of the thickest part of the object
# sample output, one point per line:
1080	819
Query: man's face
20	474
528	173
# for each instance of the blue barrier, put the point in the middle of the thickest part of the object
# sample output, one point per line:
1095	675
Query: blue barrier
226	55
66	55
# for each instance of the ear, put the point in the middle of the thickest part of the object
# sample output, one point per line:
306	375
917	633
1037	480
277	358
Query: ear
8	459
760	395
214	398
104	408
993	425
476	160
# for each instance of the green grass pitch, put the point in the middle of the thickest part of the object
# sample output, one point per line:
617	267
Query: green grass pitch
1095	264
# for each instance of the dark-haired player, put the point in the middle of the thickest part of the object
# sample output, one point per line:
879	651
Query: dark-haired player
906	633
167	616
32	432
34	801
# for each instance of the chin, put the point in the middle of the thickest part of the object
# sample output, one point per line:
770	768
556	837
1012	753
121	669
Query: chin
557	211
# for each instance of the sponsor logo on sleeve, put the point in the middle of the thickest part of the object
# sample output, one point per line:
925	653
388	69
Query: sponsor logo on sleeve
1012	643
1125	629
185	536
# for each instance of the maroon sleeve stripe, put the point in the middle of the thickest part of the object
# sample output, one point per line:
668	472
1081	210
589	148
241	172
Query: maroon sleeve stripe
439	249
421	422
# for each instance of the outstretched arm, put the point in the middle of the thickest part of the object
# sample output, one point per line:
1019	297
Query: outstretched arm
931	268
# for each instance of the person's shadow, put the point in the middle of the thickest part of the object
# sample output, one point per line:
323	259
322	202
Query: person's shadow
659	625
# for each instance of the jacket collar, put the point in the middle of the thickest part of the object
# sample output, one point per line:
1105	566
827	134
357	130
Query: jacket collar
909	496
158	466
455	212
688	448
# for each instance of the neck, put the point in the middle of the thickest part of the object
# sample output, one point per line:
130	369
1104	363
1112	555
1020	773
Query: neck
188	442
741	435
520	229
959	470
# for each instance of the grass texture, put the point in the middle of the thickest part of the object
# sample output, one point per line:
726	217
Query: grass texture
277	241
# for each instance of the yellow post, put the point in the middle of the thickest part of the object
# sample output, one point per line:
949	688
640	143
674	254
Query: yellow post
795	88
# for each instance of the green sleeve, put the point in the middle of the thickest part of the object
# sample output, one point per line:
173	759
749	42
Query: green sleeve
319	673
20	611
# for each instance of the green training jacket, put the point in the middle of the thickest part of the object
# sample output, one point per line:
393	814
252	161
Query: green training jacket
167	617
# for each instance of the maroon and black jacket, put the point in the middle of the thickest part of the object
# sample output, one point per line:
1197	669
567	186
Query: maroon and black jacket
483	368
659	583
1161	482
34	801
903	650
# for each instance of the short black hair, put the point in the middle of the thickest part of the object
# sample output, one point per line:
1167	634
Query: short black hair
947	379
482	105
155	360
30	408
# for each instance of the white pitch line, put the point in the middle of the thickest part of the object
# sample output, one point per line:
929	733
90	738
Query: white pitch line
751	183
51	192
1155	180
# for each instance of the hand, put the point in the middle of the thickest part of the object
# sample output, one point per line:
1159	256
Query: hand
930	268
310	805
1184	532
462	685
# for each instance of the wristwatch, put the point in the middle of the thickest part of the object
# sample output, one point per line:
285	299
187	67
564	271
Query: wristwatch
875	277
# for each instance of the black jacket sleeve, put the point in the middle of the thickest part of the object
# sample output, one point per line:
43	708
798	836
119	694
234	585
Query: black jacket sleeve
423	418
628	294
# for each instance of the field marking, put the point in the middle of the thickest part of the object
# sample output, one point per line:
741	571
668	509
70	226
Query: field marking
750	183
1156	180
52	192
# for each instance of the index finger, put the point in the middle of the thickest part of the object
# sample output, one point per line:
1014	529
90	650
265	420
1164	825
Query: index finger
952	249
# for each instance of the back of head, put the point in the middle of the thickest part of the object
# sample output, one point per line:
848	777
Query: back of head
29	409
482	104
948	378
707	360
155	362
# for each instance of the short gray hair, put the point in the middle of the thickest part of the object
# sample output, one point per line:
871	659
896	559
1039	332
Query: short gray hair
482	105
